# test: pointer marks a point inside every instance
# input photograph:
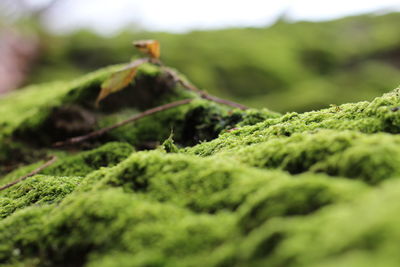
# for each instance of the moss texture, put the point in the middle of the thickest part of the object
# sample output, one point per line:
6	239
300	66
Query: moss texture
197	185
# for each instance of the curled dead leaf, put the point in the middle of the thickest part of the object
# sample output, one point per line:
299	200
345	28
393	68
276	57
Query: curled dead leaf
149	47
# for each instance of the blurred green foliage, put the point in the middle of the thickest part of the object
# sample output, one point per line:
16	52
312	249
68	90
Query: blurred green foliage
286	67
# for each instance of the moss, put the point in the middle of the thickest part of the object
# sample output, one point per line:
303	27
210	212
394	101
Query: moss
83	163
77	165
155	217
169	146
170	177
300	197
379	115
62	177
227	188
44	114
21	231
28	107
37	190
24	111
333	234
371	158
191	124
218	185
153	228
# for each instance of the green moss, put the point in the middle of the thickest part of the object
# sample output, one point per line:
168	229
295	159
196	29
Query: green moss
154	222
61	178
195	122
379	115
215	185
227	188
161	229
363	233
352	154
77	165
299	197
28	107
107	155
37	190
24	111
169	146
33	118
170	177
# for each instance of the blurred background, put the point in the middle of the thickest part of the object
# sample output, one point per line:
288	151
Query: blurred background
284	55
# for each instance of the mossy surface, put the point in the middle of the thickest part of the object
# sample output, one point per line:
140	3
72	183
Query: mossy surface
199	184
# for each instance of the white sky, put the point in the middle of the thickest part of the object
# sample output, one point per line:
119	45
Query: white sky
107	16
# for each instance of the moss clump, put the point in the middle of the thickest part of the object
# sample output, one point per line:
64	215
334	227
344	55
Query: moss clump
33	118
379	115
362	233
107	155
25	111
217	186
37	190
173	215
299	197
226	188
60	179
352	154
160	229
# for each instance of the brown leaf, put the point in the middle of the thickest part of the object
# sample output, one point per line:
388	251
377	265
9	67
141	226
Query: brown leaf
149	47
119	79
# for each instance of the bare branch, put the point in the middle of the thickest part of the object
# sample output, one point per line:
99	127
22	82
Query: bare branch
223	101
41	168
202	93
79	139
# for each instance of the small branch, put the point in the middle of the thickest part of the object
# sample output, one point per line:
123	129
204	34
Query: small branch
41	168
79	139
223	101
136	63
202	93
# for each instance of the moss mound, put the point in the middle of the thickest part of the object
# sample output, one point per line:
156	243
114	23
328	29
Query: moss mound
196	185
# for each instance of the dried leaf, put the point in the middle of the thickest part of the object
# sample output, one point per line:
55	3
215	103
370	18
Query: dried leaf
149	47
119	79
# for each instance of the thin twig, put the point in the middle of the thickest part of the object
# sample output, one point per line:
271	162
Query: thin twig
202	93
79	139
136	63
41	168
223	101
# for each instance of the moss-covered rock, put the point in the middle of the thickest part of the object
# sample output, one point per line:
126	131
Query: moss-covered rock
196	185
33	118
